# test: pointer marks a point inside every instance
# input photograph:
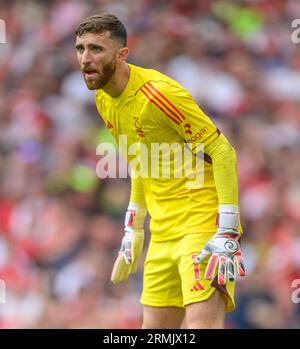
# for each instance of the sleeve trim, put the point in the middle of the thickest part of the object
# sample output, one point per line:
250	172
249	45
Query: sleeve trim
161	102
180	116
159	106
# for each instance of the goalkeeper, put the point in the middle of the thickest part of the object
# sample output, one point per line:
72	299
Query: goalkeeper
194	252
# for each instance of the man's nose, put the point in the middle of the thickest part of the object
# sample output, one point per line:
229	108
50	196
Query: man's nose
85	57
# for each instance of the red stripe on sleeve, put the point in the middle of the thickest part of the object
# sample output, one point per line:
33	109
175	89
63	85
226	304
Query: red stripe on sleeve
162	103
167	100
158	106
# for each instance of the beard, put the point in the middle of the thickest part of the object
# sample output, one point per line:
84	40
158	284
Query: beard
101	80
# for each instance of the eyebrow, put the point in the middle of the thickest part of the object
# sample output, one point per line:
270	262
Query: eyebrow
90	46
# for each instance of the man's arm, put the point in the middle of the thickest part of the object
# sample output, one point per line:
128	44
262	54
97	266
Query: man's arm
224	164
137	191
133	239
224	247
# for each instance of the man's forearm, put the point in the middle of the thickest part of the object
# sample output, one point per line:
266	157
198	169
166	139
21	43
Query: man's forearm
137	192
225	170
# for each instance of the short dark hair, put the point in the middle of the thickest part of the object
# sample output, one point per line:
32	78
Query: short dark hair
101	23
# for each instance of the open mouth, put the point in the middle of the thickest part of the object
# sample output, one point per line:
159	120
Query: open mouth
90	73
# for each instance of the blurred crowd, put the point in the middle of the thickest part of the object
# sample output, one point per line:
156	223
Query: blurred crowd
61	225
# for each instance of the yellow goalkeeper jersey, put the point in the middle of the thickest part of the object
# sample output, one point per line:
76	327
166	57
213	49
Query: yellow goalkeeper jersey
155	112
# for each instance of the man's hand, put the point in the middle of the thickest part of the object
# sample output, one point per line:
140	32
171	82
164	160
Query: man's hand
132	244
224	248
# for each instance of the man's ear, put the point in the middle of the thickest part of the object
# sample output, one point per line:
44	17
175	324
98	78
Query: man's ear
123	54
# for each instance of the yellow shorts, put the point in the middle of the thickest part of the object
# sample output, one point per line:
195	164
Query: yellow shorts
170	277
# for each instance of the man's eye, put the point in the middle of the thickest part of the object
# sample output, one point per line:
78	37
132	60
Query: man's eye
97	49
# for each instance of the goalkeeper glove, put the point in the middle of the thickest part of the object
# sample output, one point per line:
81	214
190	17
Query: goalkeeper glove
224	248
132	244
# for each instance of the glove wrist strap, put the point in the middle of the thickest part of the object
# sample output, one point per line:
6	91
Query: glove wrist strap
228	217
135	216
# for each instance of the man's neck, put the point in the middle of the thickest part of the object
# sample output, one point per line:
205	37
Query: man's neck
119	81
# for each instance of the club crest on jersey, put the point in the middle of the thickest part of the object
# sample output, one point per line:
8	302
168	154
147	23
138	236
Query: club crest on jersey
138	127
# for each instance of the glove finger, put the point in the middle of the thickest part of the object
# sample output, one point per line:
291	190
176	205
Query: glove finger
133	267
222	272
240	264
127	252
211	267
137	245
201	256
231	268
127	256
120	271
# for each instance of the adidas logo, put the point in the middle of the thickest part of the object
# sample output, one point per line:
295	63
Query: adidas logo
197	287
